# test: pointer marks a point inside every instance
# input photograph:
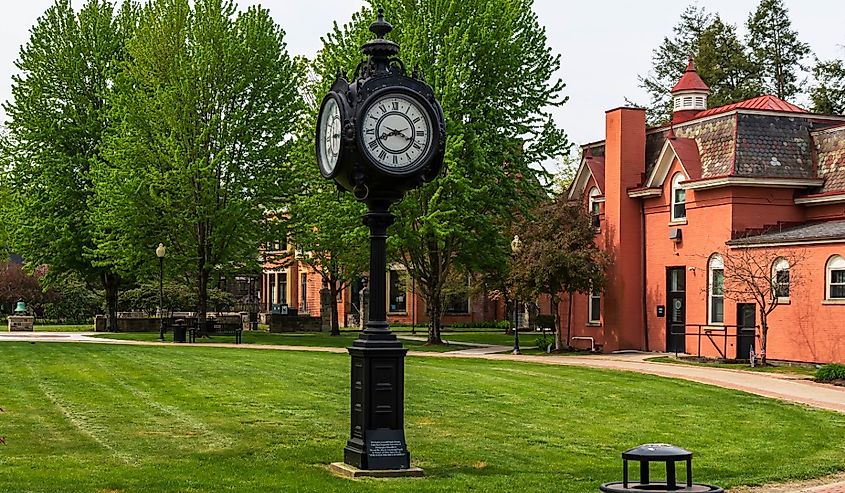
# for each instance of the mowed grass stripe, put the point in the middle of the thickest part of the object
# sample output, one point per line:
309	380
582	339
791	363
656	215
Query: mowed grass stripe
200	419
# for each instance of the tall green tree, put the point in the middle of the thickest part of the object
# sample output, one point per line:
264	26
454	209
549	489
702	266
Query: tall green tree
724	63
494	74
775	47
669	60
828	92
558	255
205	106
57	118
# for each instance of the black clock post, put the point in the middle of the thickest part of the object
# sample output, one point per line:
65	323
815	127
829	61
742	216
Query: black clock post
378	137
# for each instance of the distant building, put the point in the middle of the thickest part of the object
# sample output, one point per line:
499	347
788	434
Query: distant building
762	174
286	281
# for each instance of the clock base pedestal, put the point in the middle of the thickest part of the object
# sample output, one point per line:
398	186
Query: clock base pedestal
377	376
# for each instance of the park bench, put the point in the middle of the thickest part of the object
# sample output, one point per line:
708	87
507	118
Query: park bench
215	328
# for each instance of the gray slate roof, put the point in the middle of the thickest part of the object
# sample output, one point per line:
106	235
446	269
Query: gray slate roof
829	230
830	154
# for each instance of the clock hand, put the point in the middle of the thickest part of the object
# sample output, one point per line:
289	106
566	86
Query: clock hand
401	133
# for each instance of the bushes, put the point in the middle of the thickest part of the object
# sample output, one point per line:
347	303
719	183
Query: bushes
831	372
177	297
503	324
73	304
545	342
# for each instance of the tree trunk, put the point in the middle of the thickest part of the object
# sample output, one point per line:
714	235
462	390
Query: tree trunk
764	336
558	328
434	314
335	322
202	300
111	285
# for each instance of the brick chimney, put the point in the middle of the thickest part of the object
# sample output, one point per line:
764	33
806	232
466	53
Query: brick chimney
624	166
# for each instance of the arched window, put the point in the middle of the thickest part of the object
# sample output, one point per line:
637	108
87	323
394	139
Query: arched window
780	279
715	290
679	198
595	208
835	278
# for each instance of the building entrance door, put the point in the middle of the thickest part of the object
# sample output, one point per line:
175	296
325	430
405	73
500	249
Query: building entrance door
746	326
676	308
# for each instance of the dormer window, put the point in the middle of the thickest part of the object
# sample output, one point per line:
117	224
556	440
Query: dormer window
679	199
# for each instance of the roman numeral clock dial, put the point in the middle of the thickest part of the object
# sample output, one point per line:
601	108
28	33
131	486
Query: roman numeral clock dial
329	136
396	132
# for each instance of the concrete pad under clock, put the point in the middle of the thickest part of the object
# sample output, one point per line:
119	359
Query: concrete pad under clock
345	470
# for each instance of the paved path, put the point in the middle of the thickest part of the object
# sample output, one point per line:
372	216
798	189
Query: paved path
779	386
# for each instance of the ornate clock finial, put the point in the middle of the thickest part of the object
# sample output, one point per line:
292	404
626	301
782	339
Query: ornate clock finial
381	27
380	49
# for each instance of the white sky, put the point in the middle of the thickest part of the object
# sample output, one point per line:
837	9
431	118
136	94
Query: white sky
604	43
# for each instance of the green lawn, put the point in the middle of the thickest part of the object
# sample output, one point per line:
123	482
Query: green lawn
64	328
91	418
318	339
490	337
785	369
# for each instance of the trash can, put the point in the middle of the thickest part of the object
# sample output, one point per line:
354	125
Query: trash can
179	332
658	452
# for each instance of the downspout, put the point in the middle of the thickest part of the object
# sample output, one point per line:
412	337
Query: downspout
645	284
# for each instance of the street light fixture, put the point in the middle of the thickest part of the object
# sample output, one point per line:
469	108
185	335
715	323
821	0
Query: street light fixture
160	251
516	246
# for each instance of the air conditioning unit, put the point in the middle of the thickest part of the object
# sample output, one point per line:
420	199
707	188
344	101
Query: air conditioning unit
675	234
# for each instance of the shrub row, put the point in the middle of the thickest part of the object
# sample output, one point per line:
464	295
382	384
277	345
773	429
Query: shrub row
830	372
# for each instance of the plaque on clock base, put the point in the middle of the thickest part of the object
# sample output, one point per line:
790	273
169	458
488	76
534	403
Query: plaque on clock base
343	469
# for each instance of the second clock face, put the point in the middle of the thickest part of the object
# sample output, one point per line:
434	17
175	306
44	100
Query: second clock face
396	132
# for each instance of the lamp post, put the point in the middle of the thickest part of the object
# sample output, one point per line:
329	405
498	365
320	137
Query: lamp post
516	245
160	251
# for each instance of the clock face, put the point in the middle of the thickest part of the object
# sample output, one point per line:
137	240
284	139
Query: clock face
328	136
396	132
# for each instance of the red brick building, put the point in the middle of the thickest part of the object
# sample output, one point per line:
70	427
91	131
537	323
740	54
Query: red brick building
761	174
295	284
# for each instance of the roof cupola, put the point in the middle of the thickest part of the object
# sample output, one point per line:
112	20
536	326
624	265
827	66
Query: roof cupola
689	96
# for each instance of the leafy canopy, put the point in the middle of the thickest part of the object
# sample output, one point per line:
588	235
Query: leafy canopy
205	107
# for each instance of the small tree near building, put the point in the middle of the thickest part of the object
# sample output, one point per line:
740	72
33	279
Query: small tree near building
762	276
558	255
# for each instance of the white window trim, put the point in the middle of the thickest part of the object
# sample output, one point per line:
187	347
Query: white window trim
715	263
594	194
780	264
677	178
835	262
593	318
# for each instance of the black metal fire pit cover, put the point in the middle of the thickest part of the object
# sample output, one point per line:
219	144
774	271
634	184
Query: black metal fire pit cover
654	452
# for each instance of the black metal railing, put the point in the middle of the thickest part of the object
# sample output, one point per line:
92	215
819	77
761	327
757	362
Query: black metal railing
711	333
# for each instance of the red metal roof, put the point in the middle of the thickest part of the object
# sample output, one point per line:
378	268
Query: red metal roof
690	81
765	102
